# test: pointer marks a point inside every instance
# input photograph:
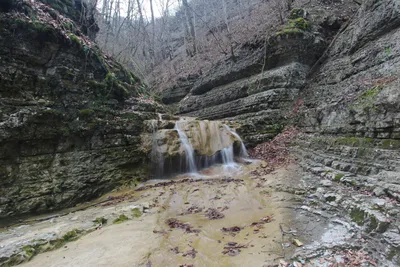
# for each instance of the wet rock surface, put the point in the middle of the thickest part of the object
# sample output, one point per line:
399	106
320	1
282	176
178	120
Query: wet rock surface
278	218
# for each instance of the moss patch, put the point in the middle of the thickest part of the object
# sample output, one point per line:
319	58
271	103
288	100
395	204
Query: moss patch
357	216
71	235
136	213
373	92
338	177
29	250
390	144
366	100
74	39
100	220
122	218
299	23
296	13
294	26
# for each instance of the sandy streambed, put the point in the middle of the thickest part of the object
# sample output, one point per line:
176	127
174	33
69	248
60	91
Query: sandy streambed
234	218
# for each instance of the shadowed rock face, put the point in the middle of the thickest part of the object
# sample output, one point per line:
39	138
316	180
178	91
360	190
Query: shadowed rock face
63	137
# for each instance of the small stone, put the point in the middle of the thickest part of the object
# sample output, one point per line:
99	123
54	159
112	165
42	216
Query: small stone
379	191
264	165
379	202
297	243
326	183
146	205
41	101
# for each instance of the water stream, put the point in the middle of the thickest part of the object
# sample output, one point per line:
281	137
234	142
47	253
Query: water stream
193	145
243	150
189	151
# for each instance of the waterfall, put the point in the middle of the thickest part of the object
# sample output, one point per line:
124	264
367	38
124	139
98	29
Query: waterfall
157	157
189	151
189	145
243	150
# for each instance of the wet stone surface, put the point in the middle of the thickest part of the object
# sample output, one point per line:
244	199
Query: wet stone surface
284	217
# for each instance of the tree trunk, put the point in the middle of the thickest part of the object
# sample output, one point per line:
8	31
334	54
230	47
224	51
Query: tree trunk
228	35
190	23
153	37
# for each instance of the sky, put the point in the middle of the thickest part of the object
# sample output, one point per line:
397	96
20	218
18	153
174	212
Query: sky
158	6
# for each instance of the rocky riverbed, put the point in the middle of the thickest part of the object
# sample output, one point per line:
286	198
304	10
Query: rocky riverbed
247	216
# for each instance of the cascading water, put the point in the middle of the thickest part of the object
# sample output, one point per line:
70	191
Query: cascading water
243	150
189	145
189	151
156	156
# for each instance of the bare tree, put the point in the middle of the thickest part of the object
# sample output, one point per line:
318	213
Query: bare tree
191	32
182	39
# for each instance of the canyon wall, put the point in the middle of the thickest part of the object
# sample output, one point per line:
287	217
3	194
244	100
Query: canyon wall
352	102
332	70
70	124
259	86
336	77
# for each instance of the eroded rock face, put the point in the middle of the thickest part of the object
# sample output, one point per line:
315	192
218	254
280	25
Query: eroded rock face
180	90
351	117
354	99
64	135
258	88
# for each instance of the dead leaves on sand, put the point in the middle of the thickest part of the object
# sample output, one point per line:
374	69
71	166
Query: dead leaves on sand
233	248
213	214
192	210
176	224
233	231
190	181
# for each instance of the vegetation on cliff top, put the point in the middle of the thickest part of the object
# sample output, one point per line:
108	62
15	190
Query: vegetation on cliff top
52	26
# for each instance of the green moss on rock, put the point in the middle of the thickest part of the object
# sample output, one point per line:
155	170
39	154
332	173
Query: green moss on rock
294	26
338	177
100	220
299	23
74	39
366	101
122	218
358	216
29	250
390	144
71	235
354	141
136	213
371	93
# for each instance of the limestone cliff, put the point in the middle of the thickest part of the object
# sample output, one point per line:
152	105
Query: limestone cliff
352	102
332	72
70	124
259	87
334	75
